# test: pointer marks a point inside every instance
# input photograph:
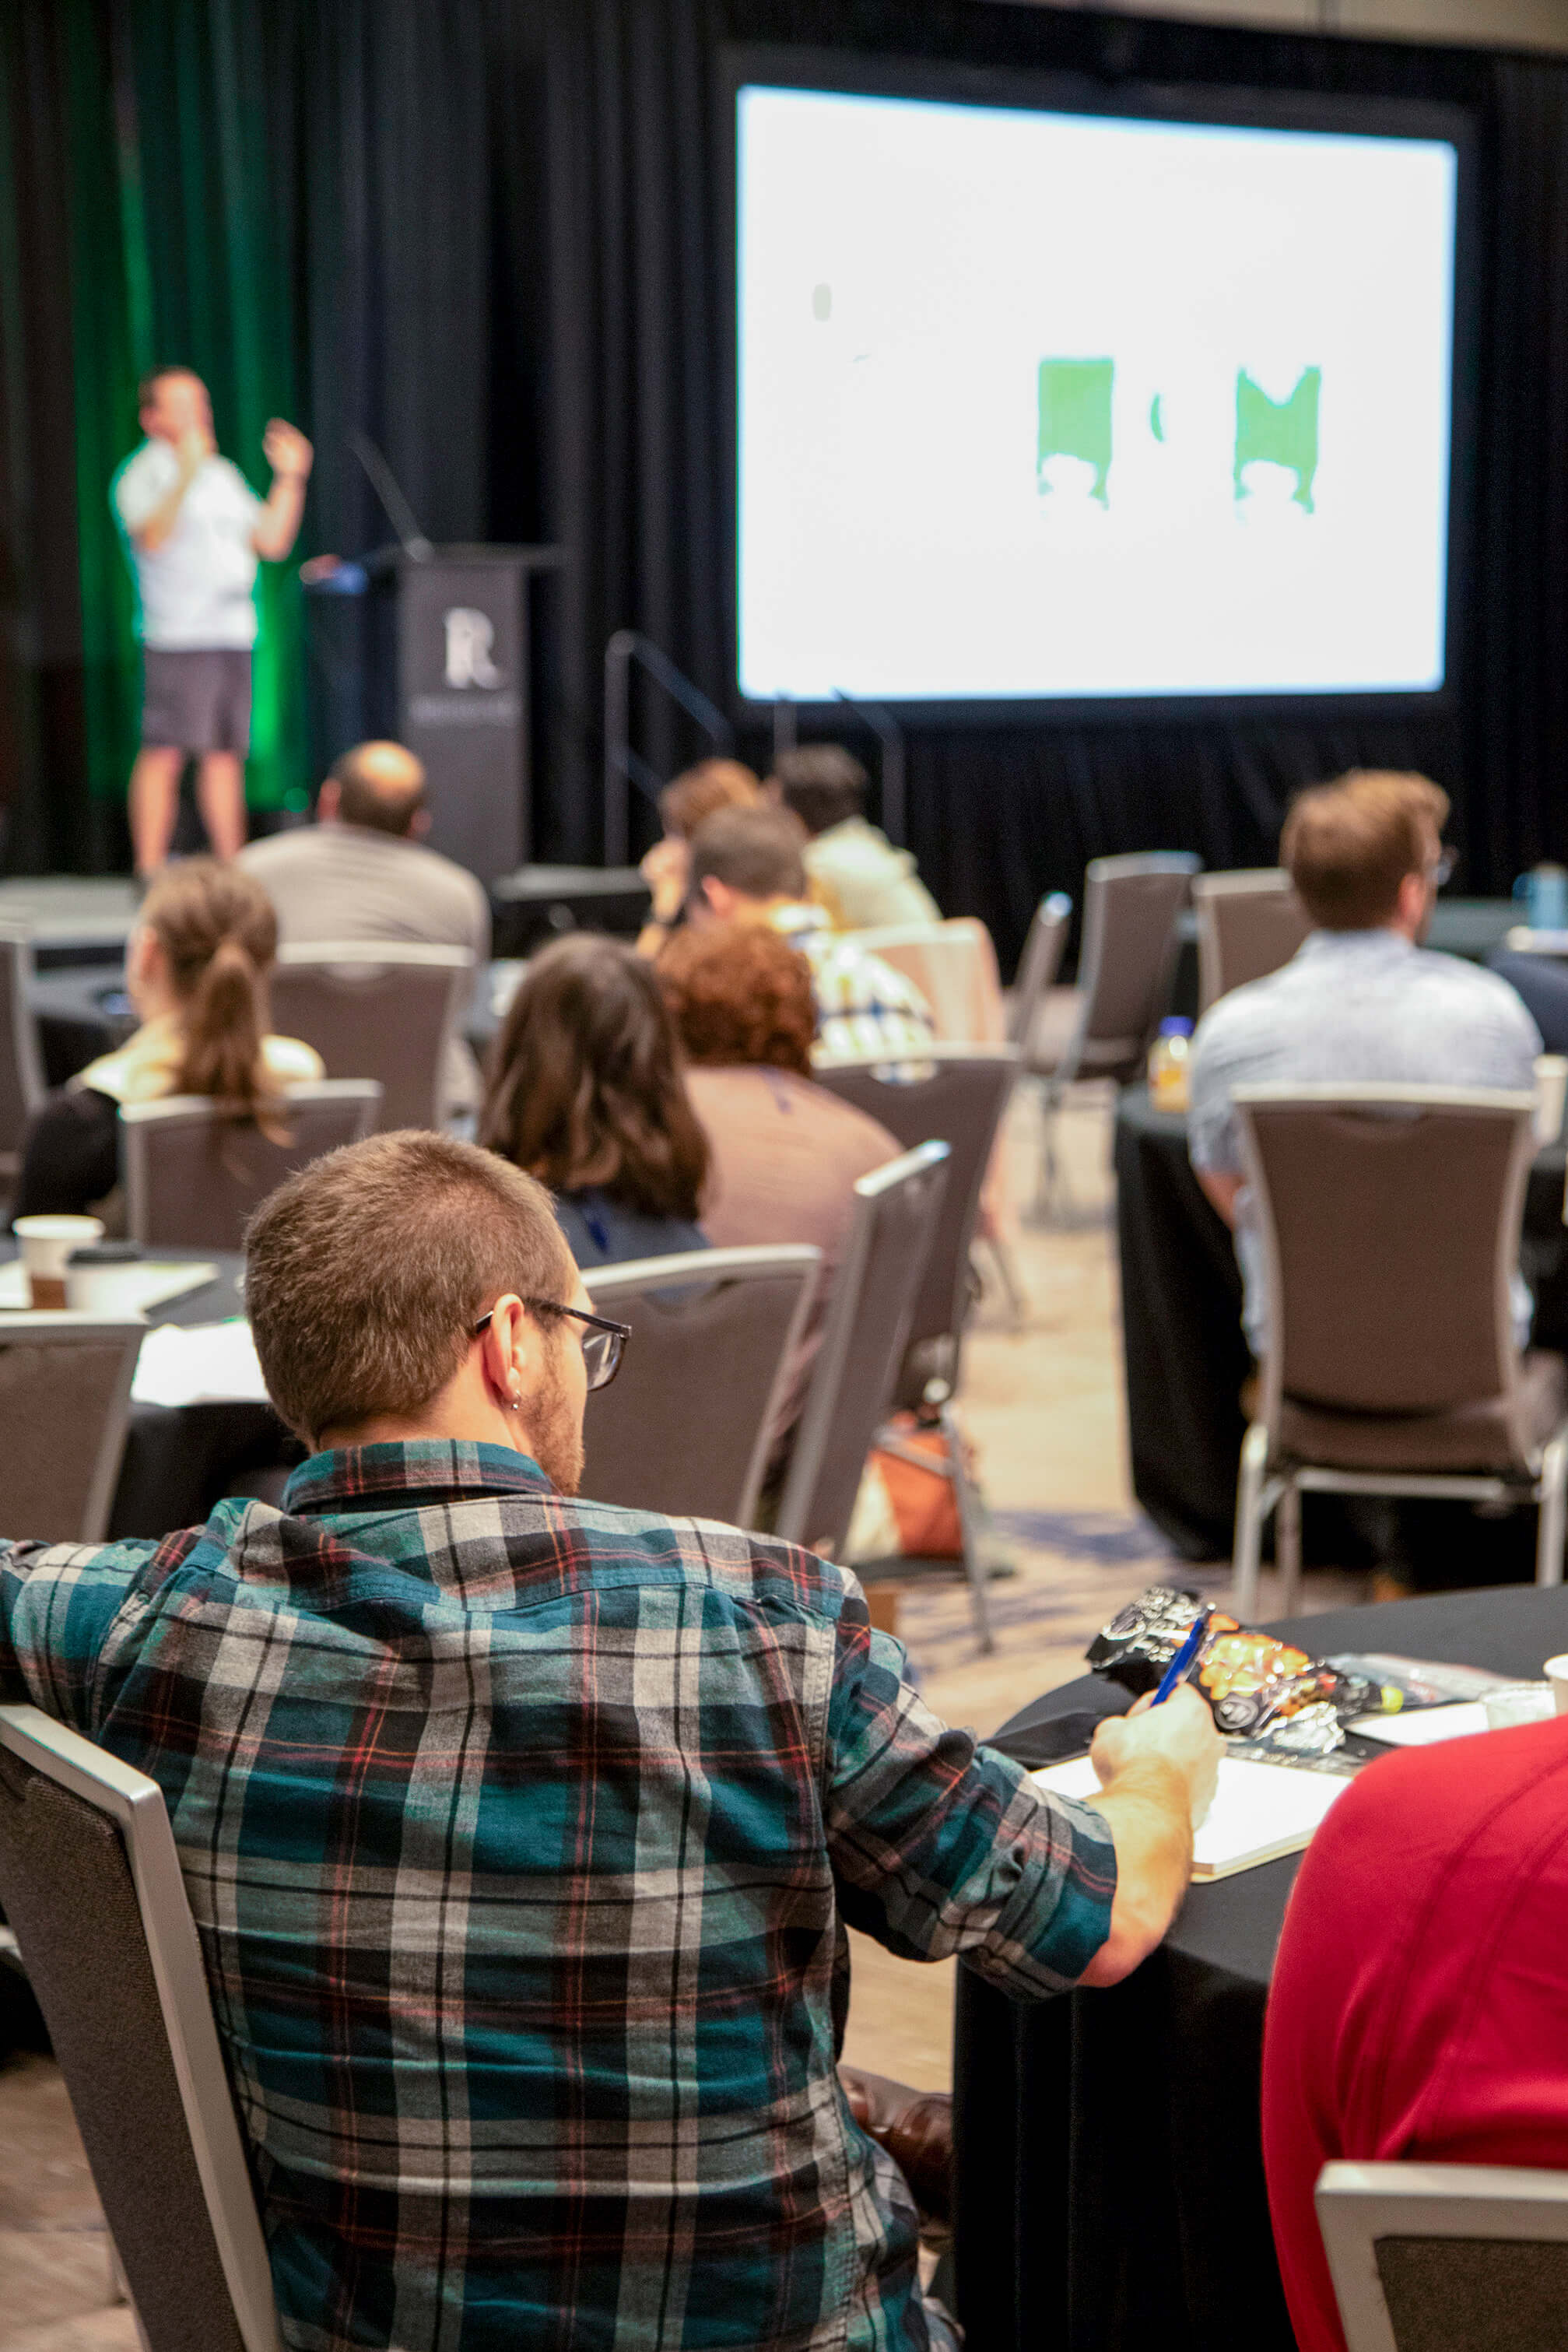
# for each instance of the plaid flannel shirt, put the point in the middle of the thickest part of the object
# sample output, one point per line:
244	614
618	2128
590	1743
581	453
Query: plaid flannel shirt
863	1006
519	1833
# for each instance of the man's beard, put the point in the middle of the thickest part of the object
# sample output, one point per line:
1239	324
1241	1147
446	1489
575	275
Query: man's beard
556	1431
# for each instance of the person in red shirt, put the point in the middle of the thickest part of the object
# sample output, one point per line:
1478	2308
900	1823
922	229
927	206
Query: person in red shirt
1419	2005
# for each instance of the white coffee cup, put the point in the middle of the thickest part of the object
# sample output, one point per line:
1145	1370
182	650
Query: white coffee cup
1550	1087
46	1244
1556	1673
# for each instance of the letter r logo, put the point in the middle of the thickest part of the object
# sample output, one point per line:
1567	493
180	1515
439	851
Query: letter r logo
469	637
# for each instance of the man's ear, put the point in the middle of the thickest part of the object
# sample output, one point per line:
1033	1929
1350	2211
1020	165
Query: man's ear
328	801
419	825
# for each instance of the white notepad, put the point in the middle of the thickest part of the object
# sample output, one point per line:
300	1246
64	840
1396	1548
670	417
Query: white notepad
207	1363
1259	1812
1423	1726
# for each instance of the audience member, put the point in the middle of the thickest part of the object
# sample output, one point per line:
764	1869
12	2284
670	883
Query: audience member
521	1893
1417	2010
855	871
785	1154
746	868
697	792
1361	999
1540	983
363	872
586	1093
196	970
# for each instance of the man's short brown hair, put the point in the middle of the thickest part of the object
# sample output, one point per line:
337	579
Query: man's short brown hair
755	851
741	993
366	1272
1348	845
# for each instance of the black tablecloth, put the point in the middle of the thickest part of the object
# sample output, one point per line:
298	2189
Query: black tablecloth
1185	1356
178	1460
1109	2179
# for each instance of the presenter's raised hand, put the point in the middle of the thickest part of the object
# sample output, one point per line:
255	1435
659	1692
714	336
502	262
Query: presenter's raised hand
287	450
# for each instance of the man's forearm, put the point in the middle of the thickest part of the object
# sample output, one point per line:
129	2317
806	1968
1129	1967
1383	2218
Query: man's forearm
277	525
164	515
1148	1808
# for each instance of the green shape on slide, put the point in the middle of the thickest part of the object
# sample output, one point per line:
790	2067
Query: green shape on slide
1156	421
1282	432
1075	417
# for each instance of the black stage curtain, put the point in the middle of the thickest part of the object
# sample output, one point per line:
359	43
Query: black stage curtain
505	226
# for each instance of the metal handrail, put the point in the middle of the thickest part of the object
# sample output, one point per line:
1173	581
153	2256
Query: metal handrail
890	735
623	764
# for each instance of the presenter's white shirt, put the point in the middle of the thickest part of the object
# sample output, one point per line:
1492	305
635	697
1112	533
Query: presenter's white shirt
198	588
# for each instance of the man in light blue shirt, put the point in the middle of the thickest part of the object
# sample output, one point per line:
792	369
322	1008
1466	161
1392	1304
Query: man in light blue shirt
1361	1000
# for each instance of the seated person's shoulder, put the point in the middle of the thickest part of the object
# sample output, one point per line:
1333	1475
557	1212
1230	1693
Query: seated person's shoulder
290	1062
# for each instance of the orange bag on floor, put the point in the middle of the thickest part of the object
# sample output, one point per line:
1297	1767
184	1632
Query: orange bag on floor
907	1507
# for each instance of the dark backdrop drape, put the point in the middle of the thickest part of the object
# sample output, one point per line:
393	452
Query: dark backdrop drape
493	238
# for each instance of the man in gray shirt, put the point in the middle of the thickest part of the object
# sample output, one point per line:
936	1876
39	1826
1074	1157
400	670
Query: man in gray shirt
361	872
1361	1000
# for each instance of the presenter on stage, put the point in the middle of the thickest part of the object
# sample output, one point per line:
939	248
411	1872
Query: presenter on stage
196	531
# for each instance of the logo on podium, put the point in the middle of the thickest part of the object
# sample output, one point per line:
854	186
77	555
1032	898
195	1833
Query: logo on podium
470	635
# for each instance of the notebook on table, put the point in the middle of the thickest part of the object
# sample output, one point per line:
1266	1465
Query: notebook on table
1261	1812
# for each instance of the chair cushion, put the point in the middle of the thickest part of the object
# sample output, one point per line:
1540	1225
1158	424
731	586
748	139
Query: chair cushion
1469	1438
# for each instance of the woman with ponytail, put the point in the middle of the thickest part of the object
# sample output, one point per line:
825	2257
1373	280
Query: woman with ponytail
196	969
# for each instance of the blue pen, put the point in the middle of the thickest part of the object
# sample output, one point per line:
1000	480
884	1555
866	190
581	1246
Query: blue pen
1180	1665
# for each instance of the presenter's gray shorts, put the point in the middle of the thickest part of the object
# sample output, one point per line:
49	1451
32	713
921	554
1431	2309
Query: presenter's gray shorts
197	698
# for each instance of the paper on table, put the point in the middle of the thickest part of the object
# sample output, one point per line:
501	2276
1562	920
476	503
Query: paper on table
1425	1726
208	1363
150	1282
1260	1811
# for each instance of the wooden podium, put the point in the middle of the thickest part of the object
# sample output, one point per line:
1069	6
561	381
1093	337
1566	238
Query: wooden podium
451	668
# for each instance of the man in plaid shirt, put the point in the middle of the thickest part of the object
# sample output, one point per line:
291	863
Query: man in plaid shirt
748	865
520	1832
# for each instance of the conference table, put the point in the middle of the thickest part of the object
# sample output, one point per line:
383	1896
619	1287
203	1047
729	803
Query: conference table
1186	1360
1108	2177
180	1460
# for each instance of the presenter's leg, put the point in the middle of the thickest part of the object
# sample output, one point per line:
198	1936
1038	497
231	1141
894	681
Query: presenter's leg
154	804
166	733
220	779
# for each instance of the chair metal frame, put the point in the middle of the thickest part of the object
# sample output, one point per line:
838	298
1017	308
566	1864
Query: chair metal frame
692	1269
1044	946
135	1804
1100	878
51	1328
1359	2204
1266	1485
16	947
826	1403
1238	882
140	1121
398	955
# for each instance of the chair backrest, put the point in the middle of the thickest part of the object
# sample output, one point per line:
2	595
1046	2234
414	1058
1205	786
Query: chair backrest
960	1103
953	966
687	1424
1389	1218
21	1063
1131	907
1040	963
1447	2257
65	1399
1248	924
90	1883
372	1010
863	1342
193	1176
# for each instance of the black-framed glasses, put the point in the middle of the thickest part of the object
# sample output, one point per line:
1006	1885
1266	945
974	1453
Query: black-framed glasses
603	1342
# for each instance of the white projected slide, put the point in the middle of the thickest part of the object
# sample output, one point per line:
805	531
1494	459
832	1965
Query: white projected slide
1050	405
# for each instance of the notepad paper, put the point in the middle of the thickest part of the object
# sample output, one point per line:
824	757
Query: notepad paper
1259	1812
210	1363
1423	1726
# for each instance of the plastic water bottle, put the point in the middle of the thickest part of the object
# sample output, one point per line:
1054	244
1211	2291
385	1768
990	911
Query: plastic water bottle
1168	1065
